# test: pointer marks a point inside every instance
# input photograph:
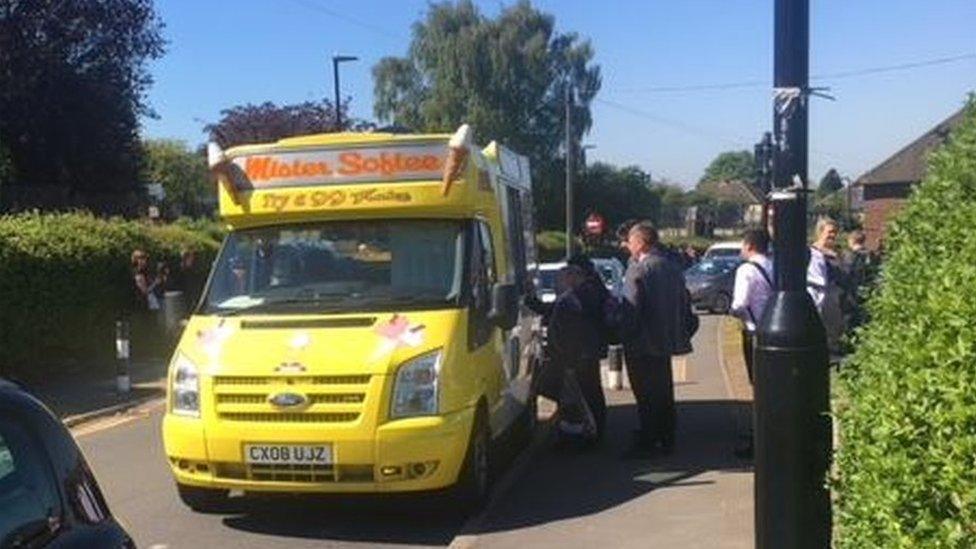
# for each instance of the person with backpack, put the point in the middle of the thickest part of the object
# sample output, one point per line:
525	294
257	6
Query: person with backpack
752	290
654	287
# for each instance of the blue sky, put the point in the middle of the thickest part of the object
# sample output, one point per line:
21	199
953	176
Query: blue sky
224	53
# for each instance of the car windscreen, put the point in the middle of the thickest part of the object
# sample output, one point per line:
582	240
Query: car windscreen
547	280
713	268
339	266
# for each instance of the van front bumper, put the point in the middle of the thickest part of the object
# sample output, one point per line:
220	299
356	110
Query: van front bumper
404	455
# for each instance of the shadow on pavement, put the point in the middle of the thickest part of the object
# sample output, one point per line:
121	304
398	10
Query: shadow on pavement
394	519
397	520
565	483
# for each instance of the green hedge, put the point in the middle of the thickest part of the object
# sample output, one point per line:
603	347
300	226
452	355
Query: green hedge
64	278
906	465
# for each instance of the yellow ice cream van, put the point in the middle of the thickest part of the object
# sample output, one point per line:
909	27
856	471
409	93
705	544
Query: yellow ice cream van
362	328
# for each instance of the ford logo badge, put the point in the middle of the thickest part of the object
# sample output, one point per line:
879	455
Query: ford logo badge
288	400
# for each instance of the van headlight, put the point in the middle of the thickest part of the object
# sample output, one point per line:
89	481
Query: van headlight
415	390
185	387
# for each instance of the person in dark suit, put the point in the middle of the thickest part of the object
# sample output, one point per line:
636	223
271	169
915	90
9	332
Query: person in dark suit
576	342
654	286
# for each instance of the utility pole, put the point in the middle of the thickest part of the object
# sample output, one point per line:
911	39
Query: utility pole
336	59
570	153
763	155
792	426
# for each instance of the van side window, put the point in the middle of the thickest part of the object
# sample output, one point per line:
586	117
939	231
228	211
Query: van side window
29	497
488	251
483	277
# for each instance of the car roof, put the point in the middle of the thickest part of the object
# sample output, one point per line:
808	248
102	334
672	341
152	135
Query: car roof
725	245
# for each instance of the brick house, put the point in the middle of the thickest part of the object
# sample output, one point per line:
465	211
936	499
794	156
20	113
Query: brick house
882	191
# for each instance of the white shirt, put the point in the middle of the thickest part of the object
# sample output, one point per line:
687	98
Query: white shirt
817	277
752	291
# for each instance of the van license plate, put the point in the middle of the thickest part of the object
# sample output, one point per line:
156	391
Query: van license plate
287	454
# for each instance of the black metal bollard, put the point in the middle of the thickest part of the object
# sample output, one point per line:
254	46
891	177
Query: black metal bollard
123	383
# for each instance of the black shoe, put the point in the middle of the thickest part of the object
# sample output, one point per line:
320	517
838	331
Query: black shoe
744	450
666	448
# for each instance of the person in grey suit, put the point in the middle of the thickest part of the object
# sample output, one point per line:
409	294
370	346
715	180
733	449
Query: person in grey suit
654	285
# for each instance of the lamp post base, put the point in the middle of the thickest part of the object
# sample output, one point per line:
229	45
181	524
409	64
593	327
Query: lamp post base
792	426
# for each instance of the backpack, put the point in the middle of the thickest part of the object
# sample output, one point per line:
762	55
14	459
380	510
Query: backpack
620	319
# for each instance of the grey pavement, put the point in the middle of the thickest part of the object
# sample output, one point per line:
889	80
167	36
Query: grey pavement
700	496
92	389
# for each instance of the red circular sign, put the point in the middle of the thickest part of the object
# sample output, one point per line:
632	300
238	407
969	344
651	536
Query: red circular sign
595	224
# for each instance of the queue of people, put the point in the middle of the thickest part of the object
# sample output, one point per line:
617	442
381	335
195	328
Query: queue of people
837	284
653	321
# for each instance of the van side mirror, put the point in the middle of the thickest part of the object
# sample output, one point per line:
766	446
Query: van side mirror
504	306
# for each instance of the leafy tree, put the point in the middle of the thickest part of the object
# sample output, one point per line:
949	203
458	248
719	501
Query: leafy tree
830	183
618	194
6	166
506	76
183	175
270	122
73	80
731	166
673	200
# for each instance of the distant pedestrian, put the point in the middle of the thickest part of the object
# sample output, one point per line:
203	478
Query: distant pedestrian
860	265
162	280
188	278
654	285
144	283
827	282
753	288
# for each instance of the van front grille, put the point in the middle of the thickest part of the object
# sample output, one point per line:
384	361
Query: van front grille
312	474
327	399
291	380
288	417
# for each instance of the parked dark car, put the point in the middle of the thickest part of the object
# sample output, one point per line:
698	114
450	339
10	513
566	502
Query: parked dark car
710	283
48	495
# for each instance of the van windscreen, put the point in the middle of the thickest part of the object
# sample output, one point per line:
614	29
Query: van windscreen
339	266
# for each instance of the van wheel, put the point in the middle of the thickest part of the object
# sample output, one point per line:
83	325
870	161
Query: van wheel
474	483
203	500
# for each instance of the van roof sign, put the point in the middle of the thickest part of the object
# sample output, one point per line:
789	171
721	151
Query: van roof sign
339	166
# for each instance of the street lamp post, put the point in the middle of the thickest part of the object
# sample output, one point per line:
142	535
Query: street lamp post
792	426
764	174
570	154
336	59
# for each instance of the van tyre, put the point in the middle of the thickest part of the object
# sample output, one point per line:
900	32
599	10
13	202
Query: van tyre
203	500
474	482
